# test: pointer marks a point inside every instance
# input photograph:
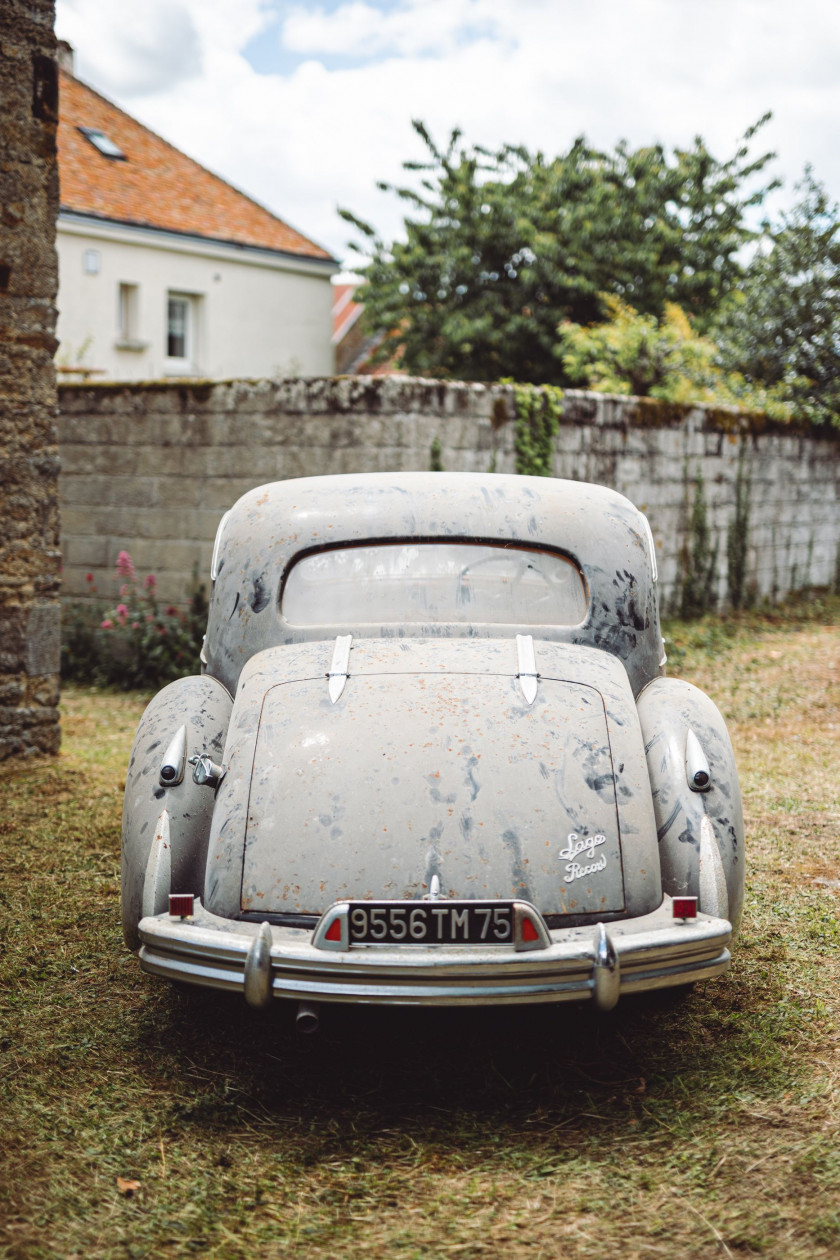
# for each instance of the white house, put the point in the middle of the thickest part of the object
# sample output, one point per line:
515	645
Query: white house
166	270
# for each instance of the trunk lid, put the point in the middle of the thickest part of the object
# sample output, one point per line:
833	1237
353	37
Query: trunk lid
431	762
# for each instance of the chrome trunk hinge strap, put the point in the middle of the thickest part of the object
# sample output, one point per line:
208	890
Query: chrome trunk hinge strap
526	667
339	669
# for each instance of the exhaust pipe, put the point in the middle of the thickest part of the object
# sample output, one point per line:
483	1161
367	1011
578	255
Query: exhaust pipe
308	1017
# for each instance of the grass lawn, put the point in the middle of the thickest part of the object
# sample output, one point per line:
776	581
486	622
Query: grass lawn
139	1121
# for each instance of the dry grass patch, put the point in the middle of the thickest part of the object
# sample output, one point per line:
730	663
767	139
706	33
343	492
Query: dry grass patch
143	1122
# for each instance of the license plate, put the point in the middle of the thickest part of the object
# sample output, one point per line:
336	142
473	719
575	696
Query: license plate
431	923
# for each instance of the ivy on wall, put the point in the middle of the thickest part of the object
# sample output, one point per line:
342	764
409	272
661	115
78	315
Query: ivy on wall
697	589
738	538
538	410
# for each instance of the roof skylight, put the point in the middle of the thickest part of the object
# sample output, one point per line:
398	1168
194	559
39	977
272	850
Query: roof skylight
101	142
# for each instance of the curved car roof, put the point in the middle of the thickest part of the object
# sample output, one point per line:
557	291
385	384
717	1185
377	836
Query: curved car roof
272	526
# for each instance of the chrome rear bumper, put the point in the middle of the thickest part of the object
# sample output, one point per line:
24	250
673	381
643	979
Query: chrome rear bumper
601	963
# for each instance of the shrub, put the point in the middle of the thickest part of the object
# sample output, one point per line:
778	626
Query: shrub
134	643
665	358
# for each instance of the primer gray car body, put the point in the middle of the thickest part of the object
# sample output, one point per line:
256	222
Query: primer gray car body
433	757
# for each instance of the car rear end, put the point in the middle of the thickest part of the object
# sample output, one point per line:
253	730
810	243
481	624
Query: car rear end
460	821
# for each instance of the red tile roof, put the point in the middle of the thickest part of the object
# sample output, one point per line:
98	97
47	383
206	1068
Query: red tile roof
345	311
158	186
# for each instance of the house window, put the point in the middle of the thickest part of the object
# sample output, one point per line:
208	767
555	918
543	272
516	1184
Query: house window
103	143
127	312
182	331
178	327
91	262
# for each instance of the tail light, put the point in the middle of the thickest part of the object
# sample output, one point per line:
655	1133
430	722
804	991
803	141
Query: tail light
181	905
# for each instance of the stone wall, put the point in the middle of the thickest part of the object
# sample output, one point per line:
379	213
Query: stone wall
29	543
151	468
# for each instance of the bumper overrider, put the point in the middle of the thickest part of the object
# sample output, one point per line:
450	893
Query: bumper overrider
262	961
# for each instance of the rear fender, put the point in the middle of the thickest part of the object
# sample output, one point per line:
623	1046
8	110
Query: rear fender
701	833
203	706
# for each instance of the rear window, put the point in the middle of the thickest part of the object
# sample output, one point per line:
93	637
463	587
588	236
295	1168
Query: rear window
430	582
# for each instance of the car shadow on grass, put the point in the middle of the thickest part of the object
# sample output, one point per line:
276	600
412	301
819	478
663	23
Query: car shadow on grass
672	1059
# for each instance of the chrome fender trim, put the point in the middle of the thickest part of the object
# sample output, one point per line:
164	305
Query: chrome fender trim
157	884
714	898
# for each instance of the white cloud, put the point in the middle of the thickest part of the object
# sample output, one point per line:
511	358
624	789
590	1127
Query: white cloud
132	50
337	118
147	49
363	31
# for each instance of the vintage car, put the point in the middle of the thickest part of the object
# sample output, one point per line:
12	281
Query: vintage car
432	758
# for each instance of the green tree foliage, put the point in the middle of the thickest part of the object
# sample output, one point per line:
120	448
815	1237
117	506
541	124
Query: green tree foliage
665	358
500	247
782	329
639	354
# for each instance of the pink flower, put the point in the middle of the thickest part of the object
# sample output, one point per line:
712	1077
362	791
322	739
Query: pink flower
88	577
125	567
124	591
122	610
135	625
150	582
107	624
162	629
172	611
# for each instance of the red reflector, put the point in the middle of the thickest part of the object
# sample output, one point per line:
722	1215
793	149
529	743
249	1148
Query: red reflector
529	932
685	907
181	905
333	932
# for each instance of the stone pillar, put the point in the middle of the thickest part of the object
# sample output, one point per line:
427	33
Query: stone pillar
30	616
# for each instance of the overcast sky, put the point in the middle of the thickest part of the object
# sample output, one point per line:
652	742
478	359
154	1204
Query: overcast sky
306	106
